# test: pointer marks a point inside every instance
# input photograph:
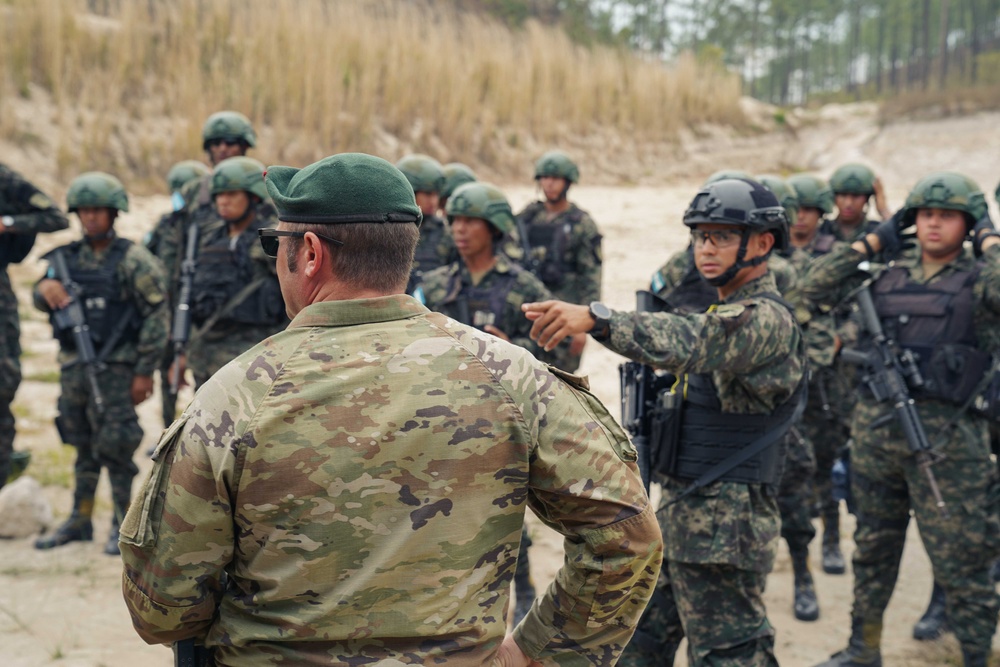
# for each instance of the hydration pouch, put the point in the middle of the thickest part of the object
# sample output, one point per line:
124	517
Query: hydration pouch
665	430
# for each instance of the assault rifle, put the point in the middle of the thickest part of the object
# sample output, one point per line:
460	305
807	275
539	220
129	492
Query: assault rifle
181	331
73	319
888	372
639	386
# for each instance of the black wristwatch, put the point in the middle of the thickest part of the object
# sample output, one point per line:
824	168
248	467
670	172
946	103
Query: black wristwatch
601	315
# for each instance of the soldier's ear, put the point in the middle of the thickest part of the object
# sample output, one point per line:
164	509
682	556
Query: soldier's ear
316	254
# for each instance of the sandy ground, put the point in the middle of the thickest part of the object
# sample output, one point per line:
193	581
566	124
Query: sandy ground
64	606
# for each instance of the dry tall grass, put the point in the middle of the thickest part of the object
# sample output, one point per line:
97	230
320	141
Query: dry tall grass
133	87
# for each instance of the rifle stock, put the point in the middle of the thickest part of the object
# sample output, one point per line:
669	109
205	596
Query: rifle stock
73	319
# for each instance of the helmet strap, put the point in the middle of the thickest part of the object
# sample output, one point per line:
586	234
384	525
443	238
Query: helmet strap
739	264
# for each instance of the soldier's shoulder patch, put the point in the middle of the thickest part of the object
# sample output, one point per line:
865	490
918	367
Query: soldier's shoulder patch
40	201
730	309
149	288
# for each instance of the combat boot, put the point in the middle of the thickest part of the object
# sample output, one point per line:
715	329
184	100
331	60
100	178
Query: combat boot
121	496
806	606
111	547
77	528
862	649
833	559
974	657
934	622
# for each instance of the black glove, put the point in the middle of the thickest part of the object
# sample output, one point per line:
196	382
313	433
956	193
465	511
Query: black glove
983	229
888	233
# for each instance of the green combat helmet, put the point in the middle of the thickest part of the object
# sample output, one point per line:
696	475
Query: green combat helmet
557	164
98	190
456	174
184	172
19	462
785	194
725	174
228	125
812	192
948	190
484	201
424	173
853	179
239	173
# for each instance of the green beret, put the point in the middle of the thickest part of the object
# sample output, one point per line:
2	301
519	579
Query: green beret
344	188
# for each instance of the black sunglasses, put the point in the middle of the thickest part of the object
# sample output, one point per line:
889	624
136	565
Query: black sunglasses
269	240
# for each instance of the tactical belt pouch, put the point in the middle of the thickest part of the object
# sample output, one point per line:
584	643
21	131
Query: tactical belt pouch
665	432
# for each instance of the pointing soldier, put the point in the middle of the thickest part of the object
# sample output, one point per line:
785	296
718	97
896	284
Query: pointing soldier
362	476
740	375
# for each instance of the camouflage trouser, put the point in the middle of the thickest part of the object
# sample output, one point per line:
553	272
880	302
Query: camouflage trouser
887	484
730	531
10	372
206	355
828	432
796	492
105	440
168	401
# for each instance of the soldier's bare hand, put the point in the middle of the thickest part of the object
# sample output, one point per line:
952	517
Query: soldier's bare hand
555	320
511	655
142	388
577	343
490	329
54	293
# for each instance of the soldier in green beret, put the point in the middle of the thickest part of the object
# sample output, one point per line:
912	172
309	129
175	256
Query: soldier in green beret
362	476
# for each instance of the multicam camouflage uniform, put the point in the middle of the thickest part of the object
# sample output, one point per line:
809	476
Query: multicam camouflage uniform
109	440
713	578
25	212
382	518
887	483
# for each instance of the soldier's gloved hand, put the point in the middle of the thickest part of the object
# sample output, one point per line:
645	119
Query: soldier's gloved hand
983	229
888	233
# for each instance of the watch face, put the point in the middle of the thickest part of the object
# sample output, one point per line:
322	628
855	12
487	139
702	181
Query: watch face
600	311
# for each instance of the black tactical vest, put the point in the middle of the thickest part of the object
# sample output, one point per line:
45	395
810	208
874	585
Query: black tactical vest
935	322
105	305
548	243
224	270
478	306
824	243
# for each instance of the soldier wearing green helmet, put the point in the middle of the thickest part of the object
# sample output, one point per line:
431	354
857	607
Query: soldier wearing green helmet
236	301
941	304
853	185
455	174
25	212
164	241
121	288
562	246
436	248
225	134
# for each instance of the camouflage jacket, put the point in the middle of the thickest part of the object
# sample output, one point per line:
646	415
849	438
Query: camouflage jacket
142	282
447	290
571	265
751	347
834	227
362	478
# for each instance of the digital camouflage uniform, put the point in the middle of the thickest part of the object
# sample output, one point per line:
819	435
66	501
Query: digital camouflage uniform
710	589
109	440
887	484
30	212
381	521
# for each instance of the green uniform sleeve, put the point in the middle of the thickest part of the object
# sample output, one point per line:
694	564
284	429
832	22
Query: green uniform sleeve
33	212
146	282
833	276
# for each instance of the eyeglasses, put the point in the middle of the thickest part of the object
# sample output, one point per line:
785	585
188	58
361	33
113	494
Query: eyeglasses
269	239
229	141
721	238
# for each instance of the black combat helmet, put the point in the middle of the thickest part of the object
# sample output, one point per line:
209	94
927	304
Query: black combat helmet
744	203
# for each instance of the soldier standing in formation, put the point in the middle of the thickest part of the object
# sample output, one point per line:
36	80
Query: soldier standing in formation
383	457
563	247
742	367
122	291
236	301
164	241
435	248
24	212
485	290
937	302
